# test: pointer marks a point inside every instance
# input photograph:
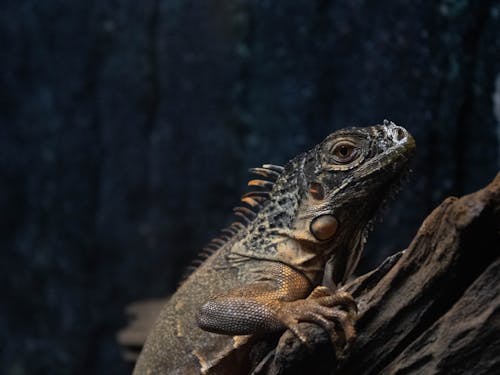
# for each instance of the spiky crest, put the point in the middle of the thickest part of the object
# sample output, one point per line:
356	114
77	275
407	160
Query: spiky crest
254	200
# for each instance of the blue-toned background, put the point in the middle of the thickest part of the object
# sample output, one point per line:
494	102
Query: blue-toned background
127	127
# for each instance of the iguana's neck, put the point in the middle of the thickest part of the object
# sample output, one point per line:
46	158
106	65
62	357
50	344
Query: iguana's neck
272	236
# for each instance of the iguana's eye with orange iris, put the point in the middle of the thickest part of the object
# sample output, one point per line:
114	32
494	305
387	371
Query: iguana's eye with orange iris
345	152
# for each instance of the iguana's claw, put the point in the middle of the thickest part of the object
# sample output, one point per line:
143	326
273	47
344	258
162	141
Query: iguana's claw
328	298
335	312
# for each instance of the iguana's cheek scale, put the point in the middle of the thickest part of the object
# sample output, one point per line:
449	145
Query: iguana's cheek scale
324	227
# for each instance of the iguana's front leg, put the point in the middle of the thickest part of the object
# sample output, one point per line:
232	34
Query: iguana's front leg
284	302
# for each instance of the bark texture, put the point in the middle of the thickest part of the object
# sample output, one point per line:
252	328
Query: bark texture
434	308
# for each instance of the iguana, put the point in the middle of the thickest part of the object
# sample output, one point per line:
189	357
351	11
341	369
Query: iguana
266	274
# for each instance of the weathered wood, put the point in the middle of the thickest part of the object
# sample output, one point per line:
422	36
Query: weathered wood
143	314
433	308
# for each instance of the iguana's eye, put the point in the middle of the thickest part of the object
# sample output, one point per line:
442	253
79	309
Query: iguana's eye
345	152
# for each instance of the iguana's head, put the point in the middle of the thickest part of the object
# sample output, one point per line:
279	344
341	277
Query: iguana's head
342	182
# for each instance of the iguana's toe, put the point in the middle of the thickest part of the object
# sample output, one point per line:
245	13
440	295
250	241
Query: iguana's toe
334	312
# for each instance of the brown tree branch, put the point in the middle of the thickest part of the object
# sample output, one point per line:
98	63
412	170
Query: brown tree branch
433	308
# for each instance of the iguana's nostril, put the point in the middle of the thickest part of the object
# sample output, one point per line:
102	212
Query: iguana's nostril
398	133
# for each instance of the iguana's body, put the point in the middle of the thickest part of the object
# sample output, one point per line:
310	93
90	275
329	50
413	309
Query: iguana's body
265	277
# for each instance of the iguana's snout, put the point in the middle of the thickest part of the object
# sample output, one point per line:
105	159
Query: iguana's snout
398	135
391	137
390	149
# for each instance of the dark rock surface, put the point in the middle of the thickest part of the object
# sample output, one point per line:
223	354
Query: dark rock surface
126	129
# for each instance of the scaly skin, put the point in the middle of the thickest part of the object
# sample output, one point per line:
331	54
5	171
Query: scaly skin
267	276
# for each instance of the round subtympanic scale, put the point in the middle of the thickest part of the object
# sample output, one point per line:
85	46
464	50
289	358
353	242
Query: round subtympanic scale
324	227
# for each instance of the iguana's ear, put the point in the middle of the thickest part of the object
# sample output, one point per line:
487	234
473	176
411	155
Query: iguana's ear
316	190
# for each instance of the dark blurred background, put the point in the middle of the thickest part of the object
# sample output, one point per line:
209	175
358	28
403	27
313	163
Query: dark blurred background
127	128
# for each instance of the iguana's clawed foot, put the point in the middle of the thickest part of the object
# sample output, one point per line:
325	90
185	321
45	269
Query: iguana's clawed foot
336	312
